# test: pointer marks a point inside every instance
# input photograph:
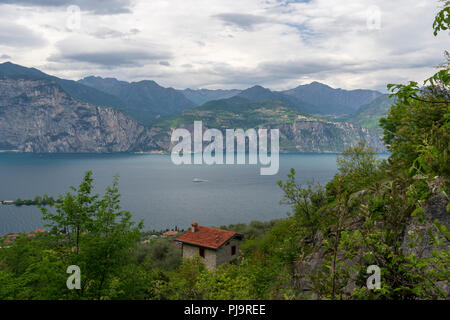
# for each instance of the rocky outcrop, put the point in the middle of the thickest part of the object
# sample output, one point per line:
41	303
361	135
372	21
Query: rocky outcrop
39	116
434	211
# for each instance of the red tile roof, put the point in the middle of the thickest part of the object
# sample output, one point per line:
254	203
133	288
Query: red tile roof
169	233
13	235
207	237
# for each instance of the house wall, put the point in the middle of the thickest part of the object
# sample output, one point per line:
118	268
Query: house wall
224	253
193	251
213	258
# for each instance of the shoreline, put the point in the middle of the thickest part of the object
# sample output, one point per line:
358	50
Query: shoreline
153	153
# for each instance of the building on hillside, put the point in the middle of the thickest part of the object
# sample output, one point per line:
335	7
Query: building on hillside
215	246
12	236
170	234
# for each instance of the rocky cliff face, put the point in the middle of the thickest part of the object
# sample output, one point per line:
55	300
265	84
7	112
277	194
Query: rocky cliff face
324	136
39	116
308	135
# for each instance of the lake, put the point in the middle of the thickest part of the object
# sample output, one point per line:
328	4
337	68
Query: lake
154	189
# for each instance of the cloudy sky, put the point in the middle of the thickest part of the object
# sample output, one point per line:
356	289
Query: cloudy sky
226	43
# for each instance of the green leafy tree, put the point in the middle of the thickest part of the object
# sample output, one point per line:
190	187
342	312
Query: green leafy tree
74	213
442	19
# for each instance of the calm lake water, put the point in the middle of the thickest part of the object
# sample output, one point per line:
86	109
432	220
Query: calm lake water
154	189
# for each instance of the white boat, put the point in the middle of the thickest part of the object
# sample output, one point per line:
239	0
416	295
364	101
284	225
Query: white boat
199	180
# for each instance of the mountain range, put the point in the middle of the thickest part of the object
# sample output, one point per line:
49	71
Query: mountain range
145	100
38	115
201	96
76	90
326	100
369	115
147	112
299	132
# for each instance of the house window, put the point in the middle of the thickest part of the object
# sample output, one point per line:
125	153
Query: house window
201	252
233	250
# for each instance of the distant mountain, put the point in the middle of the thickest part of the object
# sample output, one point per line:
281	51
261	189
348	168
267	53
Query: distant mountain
145	100
369	115
8	69
38	115
259	93
43	113
202	96
326	100
298	132
235	112
75	89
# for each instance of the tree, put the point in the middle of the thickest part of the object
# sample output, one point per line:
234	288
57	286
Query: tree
442	19
110	238
74	212
99	235
416	129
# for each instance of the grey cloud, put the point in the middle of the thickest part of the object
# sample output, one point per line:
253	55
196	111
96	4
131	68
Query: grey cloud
164	63
5	57
277	72
306	66
19	36
323	65
50	27
96	7
243	21
107	33
118	58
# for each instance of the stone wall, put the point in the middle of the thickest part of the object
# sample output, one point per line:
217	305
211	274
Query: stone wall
213	258
193	251
224	253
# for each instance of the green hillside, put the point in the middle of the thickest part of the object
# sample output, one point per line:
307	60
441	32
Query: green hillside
236	112
369	115
299	132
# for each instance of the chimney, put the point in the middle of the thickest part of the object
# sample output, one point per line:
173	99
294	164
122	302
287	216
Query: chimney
194	226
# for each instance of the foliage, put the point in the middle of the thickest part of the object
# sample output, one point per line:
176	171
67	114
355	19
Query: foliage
88	231
442	20
159	254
